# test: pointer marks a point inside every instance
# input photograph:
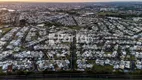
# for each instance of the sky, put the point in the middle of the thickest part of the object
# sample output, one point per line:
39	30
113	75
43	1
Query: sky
66	0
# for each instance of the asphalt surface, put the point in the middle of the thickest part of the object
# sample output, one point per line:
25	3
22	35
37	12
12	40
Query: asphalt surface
71	76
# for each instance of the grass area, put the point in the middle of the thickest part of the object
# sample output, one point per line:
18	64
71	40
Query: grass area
1	26
1	70
34	37
53	23
90	61
5	30
131	58
102	69
74	27
108	52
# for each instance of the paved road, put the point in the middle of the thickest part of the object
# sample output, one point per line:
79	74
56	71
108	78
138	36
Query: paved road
70	75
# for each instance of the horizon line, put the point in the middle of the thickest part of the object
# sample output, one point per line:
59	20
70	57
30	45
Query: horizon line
65	1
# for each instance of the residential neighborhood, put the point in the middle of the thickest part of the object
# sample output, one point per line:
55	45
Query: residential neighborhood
75	37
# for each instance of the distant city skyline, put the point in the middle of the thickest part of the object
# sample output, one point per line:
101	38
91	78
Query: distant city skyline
65	0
